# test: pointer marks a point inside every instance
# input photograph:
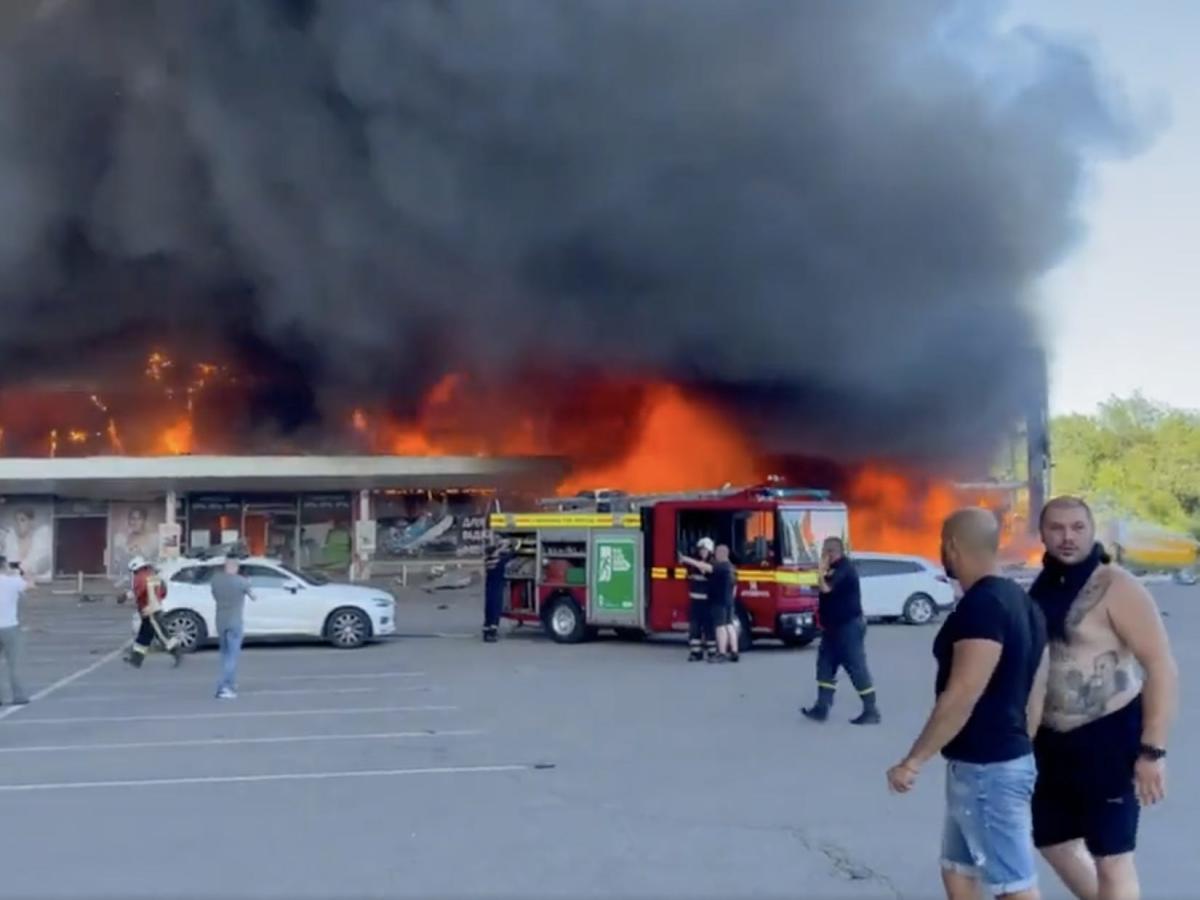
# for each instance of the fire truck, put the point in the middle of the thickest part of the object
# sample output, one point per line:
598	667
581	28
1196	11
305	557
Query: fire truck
578	570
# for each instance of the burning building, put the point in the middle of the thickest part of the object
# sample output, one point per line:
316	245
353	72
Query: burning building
672	245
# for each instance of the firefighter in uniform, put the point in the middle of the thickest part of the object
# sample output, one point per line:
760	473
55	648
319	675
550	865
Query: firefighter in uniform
499	554
702	639
148	593
843	636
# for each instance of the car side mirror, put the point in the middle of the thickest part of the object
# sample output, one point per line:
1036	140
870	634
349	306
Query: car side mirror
292	586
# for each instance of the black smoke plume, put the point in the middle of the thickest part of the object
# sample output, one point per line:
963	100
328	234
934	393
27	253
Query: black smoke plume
828	215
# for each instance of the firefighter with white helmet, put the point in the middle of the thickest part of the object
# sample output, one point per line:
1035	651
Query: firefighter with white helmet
148	592
701	633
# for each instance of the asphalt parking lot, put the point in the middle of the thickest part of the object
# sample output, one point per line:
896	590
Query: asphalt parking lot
436	766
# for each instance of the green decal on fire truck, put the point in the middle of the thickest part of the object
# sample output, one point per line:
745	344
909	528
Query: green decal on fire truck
614	586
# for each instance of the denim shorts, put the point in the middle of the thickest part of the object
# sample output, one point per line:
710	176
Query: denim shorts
989	824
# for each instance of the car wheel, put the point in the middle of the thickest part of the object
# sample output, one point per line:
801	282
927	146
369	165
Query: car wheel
348	628
919	609
187	628
564	621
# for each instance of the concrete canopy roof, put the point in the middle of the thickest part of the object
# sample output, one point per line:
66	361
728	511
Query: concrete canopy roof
104	477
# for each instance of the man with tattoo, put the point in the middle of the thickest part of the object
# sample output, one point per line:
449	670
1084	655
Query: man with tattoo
991	683
1110	701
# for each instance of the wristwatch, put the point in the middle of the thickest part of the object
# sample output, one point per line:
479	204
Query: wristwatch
1152	753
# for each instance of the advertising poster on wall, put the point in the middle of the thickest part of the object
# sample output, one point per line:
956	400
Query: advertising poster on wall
416	529
133	531
326	534
27	535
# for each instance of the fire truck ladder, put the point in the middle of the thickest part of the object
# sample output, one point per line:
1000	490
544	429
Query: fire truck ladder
619	502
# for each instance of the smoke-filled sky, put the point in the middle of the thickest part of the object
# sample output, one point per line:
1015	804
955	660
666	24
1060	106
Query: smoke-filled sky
829	214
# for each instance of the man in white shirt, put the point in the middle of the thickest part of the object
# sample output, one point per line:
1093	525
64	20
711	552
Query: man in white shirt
13	583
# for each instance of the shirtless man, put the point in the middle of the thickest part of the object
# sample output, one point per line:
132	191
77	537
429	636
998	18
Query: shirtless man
1110	701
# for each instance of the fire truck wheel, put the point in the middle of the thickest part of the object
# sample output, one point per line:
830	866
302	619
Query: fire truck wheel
564	621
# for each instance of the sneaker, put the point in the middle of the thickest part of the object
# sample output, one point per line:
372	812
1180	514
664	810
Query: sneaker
226	694
867	718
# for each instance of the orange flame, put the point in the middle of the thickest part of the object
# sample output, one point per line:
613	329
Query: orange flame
680	445
177	439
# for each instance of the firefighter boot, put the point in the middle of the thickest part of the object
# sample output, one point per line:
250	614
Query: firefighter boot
695	651
820	711
489	634
870	711
134	658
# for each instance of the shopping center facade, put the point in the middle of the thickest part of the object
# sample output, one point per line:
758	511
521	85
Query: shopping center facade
340	514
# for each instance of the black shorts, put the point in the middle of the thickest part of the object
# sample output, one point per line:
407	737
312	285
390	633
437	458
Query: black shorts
1085	784
722	614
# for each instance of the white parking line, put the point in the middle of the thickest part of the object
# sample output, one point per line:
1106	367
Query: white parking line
63	682
219	742
265	677
160	695
352	711
280	776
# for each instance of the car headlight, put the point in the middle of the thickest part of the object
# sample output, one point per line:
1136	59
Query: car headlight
383	603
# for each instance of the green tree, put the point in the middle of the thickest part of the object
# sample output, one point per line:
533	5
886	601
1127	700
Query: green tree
1133	457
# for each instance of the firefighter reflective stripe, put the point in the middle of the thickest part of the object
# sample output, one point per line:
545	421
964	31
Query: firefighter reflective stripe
809	579
564	520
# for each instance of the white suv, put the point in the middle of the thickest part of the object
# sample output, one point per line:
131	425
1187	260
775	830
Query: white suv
902	587
288	603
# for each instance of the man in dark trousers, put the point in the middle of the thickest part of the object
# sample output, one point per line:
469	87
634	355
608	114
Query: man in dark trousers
149	590
701	632
1112	694
843	636
499	554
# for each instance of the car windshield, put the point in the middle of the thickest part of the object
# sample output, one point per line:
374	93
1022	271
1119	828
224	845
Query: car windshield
310	575
805	530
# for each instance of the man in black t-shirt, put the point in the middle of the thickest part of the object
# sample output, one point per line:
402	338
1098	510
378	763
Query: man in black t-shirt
991	684
843	636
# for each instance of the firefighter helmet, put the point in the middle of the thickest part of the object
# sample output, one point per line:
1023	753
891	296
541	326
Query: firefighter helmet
137	564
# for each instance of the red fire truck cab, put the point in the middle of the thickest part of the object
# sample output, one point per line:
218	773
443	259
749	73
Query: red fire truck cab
578	570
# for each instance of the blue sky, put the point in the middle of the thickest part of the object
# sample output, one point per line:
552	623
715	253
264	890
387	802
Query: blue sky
1123	311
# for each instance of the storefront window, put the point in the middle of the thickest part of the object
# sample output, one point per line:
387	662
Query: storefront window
425	525
326	532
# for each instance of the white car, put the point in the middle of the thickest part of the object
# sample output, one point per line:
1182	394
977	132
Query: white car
288	603
902	587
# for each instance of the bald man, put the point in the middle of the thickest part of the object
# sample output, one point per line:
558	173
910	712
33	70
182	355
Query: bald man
991	685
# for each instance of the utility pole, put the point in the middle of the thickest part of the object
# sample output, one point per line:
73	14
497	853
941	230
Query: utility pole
1037	435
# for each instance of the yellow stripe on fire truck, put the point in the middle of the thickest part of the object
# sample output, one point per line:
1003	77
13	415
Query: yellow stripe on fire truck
563	520
759	576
